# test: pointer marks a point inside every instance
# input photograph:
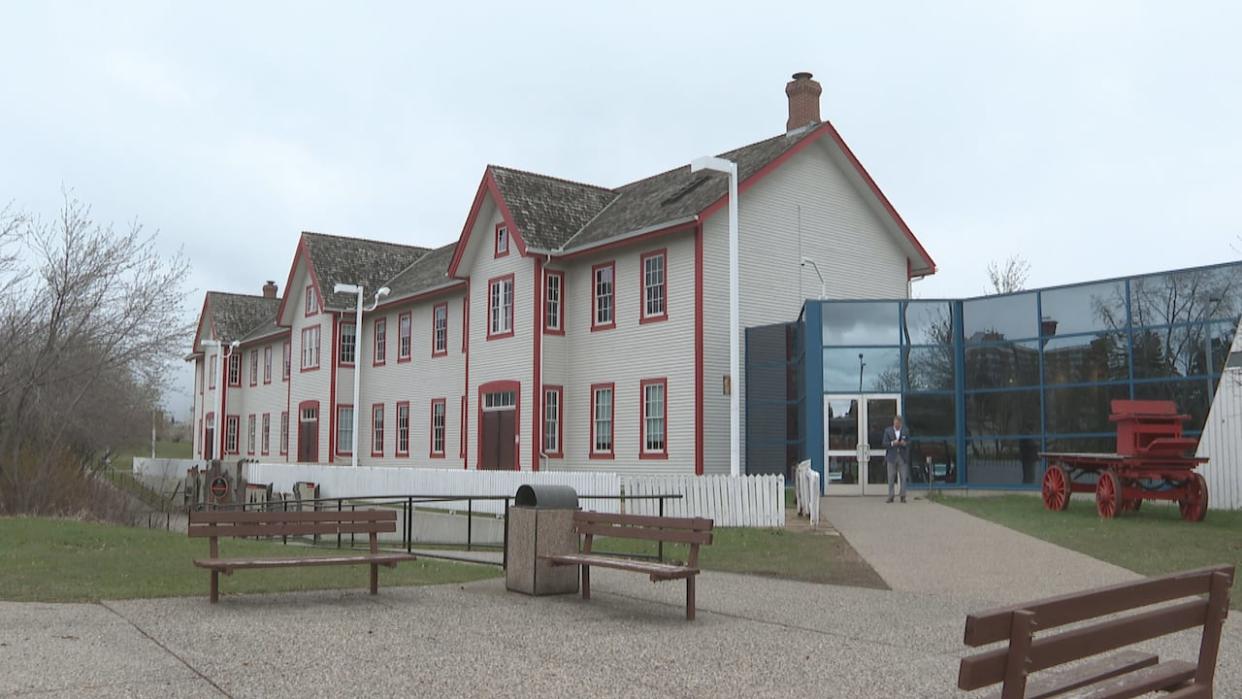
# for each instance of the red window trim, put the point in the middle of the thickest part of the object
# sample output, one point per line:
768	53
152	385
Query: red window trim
548	330
284	442
612	450
302	350
512	307
254	366
237	440
268	355
465	324
612	264
266	419
341	322
496	251
643	318
336	426
642	421
235	354
434	310
376	344
286	351
396	431
560	420
461	431
431	432
311	292
410	356
383	418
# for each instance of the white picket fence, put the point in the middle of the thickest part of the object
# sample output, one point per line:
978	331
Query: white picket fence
745	501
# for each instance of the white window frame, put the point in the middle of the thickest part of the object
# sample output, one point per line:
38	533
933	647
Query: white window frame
311	337
500	307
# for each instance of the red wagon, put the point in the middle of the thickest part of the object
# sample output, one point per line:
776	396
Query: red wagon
1150	464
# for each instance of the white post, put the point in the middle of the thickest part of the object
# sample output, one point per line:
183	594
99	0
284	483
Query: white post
353	448
735	411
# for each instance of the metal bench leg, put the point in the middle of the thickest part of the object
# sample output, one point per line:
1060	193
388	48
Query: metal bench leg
215	586
690	598
375	578
586	582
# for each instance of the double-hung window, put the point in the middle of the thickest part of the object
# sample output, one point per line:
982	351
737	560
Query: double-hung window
500	307
284	432
310	348
405	324
288	361
552	420
250	434
553	295
348	350
655	286
312	301
439	330
380	352
502	240
211	372
403	428
438	418
601	421
654	419
254	367
267	364
377	429
603	296
235	369
344	429
267	433
232	425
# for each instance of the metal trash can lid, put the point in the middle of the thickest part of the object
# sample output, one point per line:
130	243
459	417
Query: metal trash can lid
546	497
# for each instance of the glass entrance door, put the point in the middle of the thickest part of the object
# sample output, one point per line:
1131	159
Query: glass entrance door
854	442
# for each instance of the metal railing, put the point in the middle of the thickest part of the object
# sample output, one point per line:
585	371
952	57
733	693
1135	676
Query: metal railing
408	504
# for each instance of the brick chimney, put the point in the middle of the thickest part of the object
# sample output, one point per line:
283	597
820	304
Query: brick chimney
269	289
803	94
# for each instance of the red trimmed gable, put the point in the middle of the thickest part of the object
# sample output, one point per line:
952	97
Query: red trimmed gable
299	255
486	187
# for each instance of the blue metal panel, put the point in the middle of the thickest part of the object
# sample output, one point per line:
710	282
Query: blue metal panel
1043	382
959	390
813	395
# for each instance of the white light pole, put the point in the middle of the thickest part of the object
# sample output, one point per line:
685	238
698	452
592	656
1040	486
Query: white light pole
808	261
735	422
357	289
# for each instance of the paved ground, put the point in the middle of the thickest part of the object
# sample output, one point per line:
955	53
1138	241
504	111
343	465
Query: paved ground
754	637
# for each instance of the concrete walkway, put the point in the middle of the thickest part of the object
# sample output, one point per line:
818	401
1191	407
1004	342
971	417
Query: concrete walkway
928	548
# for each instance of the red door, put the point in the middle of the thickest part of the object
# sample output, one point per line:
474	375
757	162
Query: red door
308	433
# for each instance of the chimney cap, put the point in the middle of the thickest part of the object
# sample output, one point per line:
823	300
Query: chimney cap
802	75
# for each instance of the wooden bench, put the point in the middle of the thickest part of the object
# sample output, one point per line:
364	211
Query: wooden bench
682	530
1126	674
236	523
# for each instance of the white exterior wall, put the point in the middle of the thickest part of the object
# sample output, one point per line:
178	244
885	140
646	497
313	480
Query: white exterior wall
627	354
1221	440
261	398
418	381
807	207
308	384
501	359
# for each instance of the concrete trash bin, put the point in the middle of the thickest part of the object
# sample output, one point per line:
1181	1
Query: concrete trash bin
541	522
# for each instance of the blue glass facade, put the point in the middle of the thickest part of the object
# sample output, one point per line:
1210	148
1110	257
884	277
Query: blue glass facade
987	383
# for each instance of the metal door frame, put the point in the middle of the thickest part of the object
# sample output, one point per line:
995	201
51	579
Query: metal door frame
862	452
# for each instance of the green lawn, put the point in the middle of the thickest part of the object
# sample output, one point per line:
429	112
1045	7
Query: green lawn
47	560
809	556
1152	541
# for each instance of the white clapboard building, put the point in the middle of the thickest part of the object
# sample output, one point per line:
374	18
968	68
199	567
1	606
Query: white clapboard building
569	325
1221	441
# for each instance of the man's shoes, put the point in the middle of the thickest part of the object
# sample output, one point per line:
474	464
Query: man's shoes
888	501
903	501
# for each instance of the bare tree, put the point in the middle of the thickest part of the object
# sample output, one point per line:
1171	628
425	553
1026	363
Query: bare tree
1009	277
91	319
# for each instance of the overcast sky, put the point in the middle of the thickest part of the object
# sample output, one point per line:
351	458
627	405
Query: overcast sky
1094	138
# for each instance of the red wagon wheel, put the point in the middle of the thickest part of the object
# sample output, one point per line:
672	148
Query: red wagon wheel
1194	506
1108	494
1056	490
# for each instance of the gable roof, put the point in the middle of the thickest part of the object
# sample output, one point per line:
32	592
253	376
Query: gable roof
425	274
238	316
341	260
548	210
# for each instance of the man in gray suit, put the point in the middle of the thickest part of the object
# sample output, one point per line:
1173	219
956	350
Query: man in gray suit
897	455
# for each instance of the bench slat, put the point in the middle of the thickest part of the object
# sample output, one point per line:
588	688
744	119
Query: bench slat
1059	682
681	536
283	529
241	563
993	625
989	668
692	523
660	570
237	516
1166	675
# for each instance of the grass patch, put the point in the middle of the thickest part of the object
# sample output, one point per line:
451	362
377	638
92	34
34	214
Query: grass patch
56	560
808	556
124	458
1152	541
